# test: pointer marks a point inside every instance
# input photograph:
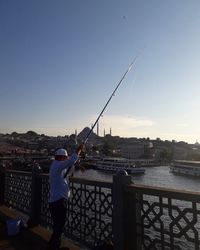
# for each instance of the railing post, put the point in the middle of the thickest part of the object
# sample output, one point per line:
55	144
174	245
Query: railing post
119	231
2	185
132	217
35	196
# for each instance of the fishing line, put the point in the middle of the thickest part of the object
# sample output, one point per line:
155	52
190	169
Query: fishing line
100	115
113	93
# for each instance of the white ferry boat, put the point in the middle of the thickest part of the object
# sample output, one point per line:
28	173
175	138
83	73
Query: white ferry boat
117	164
190	168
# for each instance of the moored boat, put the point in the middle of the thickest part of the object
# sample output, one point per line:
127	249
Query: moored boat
117	164
190	168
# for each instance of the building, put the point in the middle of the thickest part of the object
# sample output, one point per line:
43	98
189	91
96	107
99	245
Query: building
132	151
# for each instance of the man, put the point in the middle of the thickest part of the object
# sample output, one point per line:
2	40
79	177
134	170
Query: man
59	192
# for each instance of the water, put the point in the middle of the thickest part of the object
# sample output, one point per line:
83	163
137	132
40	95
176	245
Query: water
154	176
159	177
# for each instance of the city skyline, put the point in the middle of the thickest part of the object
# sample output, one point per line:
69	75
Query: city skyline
99	132
61	60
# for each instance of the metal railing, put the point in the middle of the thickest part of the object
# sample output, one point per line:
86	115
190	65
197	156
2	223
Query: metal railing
89	210
17	190
164	218
133	216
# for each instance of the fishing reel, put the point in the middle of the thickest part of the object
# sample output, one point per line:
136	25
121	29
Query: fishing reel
78	166
82	155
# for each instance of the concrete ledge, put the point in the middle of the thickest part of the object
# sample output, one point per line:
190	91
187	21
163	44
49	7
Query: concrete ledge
8	212
37	230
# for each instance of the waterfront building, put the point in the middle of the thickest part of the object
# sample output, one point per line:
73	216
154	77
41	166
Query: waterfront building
132	151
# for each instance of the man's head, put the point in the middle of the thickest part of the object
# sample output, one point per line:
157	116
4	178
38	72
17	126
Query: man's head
61	154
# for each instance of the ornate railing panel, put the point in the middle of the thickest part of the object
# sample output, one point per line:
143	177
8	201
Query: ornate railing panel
168	219
17	192
45	217
162	218
90	211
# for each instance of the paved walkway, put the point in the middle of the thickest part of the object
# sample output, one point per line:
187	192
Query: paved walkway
34	239
24	241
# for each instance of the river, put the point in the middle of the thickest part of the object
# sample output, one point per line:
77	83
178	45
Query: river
159	177
154	176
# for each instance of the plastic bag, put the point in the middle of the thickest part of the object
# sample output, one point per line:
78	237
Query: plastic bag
13	226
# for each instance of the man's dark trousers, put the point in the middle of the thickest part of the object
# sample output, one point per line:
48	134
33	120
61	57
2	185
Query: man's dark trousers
58	210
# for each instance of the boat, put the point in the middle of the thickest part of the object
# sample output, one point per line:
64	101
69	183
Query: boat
117	164
190	168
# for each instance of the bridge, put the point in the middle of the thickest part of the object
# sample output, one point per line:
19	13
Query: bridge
131	216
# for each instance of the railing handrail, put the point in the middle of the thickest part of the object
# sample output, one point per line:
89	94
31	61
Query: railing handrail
105	184
18	171
163	191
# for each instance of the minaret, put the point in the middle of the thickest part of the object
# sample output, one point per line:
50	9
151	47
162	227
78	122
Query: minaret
110	131
104	132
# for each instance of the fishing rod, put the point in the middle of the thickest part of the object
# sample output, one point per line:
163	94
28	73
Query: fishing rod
113	93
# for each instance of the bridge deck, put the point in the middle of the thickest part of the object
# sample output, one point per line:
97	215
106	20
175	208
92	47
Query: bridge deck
34	239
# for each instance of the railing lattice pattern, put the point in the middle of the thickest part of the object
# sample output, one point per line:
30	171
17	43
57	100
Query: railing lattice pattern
169	224
89	213
45	217
18	191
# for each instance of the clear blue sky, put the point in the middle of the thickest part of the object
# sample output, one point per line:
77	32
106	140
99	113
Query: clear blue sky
61	59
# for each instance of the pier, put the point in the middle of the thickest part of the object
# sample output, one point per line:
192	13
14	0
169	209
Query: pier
131	216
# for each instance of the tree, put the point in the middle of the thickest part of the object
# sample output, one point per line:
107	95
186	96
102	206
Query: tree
107	148
166	155
14	134
31	133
